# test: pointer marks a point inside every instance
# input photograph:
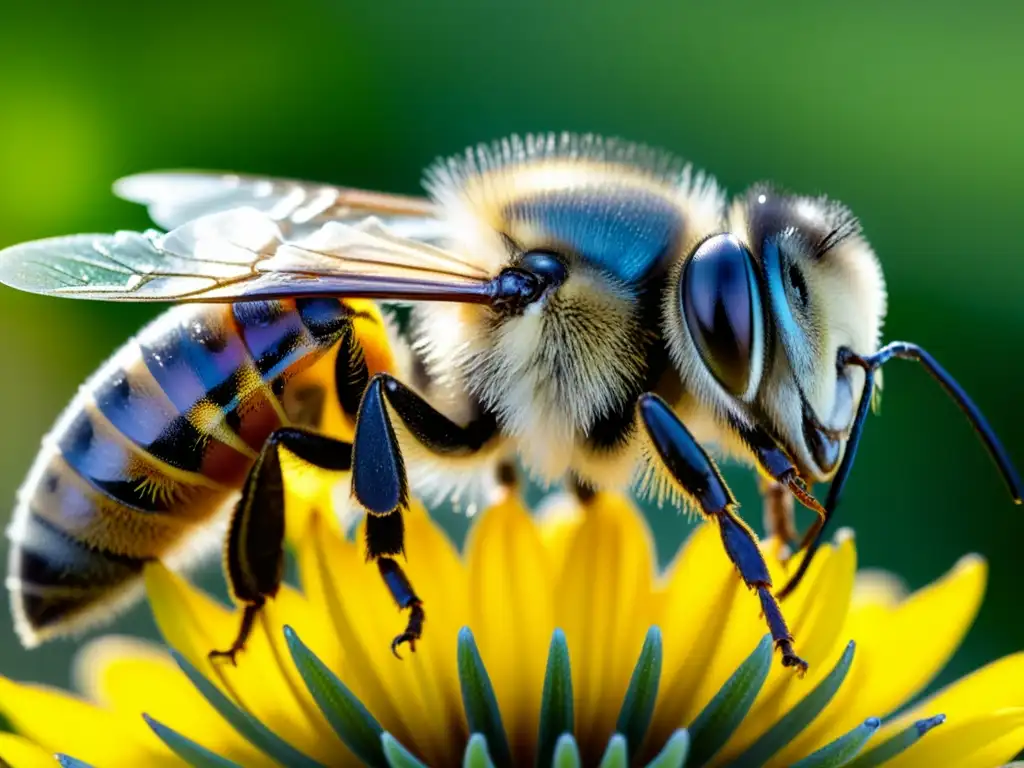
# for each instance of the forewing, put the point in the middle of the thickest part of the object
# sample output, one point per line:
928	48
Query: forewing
299	207
242	254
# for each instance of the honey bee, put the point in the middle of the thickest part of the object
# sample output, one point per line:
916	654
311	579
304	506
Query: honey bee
593	308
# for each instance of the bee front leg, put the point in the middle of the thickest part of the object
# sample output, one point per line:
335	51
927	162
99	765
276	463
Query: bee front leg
255	546
778	472
379	480
695	475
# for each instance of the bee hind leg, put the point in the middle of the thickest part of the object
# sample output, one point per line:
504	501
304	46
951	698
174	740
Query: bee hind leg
255	548
695	475
379	481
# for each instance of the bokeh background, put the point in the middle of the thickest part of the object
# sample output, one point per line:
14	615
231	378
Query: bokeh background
909	112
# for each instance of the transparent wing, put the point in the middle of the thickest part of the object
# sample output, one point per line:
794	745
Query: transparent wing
299	207
242	254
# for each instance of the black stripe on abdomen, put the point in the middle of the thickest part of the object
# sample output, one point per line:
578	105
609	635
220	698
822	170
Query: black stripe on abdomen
58	577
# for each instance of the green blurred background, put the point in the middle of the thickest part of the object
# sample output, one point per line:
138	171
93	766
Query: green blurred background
911	113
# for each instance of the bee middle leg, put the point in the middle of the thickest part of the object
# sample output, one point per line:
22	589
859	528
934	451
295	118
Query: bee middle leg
697	476
255	546
379	481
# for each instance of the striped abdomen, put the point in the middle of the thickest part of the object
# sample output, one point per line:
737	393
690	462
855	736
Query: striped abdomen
152	447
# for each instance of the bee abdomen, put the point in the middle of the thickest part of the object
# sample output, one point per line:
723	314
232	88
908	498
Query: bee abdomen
58	582
152	448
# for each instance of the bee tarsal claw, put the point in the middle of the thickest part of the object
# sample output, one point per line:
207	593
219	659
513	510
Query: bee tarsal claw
413	630
230	655
790	659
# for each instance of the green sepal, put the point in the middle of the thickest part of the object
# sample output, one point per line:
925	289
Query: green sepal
567	752
843	749
723	714
479	701
790	725
638	705
397	755
192	753
616	754
675	751
353	723
66	761
556	708
247	726
894	745
477	754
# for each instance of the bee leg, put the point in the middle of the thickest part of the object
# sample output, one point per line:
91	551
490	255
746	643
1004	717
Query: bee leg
255	546
774	463
379	480
779	521
696	475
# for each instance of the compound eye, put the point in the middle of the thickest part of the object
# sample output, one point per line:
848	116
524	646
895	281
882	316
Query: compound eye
722	305
545	265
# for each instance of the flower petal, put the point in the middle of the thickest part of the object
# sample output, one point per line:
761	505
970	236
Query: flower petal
997	688
18	752
417	698
817	614
698	601
512	612
604	603
194	624
972	742
558	516
122	673
901	645
58	722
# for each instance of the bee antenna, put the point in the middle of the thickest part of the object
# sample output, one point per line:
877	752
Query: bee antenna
870	364
907	351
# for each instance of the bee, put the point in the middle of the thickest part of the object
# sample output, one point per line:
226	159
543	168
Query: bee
595	309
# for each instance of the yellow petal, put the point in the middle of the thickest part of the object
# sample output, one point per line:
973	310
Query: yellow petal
130	676
874	586
439	577
603	602
353	598
58	722
901	646
309	490
975	742
511	612
998	685
194	624
18	752
416	698
701	593
558	517
818	630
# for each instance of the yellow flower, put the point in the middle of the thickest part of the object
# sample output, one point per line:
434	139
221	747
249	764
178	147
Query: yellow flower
549	636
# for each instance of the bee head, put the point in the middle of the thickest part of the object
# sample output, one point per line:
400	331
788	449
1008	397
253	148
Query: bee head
822	291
